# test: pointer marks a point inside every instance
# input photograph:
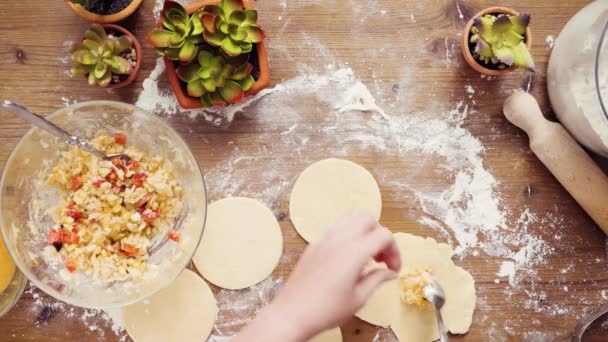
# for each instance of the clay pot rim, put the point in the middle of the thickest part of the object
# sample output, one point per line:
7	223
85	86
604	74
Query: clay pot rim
189	102
464	42
138	60
104	19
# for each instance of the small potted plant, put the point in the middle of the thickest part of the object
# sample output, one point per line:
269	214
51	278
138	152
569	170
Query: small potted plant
214	51
108	56
497	41
104	11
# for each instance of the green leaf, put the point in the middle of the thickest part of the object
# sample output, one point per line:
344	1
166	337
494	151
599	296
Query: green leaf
92	79
224	27
100	69
505	55
242	72
122	43
206	100
91	45
232	92
172	53
523	57
84	57
216	99
160	37
173	7
247	83
251	17
187	51
80	70
188	72
204	58
105	79
520	23
118	65
245	47
77	47
483	48
238	35
214	39
209	22
230	48
209	84
227	71
230	6
99	31
214	10
237	17
484	25
168	25
254	33
197	26
195	88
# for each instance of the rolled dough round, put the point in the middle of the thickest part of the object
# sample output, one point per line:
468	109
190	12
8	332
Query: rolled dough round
184	311
408	322
333	335
329	190
241	245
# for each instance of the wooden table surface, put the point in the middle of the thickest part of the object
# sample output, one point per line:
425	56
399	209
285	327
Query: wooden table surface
378	39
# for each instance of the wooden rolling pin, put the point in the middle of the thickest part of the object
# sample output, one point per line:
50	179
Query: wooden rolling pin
562	155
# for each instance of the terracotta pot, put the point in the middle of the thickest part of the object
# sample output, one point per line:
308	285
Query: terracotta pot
189	102
137	46
104	19
466	51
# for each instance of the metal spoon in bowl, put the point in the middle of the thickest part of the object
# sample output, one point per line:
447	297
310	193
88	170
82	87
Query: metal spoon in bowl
50	127
434	294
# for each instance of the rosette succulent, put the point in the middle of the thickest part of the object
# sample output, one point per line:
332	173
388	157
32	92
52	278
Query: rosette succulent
99	56
500	40
231	27
180	35
215	80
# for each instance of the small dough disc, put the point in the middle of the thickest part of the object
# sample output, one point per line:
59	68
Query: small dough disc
329	190
409	323
185	311
333	335
241	245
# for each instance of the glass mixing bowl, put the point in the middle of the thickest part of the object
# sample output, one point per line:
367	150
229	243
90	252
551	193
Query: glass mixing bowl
25	198
577	77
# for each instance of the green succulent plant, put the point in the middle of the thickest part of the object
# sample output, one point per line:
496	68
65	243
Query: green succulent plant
501	39
181	33
215	80
230	27
98	56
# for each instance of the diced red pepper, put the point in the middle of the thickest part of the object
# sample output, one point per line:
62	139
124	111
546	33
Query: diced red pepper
98	183
173	235
71	238
55	235
76	228
69	265
133	165
128	249
118	189
76	183
142	201
112	176
120	138
74	213
150	215
139	179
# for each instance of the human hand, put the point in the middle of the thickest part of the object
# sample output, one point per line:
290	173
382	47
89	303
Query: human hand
329	285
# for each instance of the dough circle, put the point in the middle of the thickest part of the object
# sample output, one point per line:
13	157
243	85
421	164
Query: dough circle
241	245
407	321
185	311
333	335
329	190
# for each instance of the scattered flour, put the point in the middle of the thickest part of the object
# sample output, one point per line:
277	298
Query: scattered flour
550	40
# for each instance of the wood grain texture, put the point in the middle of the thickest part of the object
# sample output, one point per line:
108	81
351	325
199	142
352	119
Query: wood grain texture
411	46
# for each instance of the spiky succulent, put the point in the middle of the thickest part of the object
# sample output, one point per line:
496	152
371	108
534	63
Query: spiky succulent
181	33
230	27
98	56
215	80
501	39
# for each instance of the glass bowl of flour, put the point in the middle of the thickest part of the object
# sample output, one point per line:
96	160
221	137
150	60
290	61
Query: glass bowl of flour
26	202
578	77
